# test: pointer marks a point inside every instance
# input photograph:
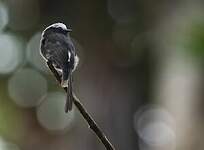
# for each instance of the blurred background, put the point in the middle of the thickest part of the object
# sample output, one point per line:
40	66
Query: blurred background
140	75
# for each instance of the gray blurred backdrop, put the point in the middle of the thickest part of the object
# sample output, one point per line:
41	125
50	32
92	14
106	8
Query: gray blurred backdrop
140	75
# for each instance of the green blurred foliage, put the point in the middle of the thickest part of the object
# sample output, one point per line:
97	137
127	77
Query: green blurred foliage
12	118
195	42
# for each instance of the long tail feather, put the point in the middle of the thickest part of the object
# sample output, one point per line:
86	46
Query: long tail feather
69	100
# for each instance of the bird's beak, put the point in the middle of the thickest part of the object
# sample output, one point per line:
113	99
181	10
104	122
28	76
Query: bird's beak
69	30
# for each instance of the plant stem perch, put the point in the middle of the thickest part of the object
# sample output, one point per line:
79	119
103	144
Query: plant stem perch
92	124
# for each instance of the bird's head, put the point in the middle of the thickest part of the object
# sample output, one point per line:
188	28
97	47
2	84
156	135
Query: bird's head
57	28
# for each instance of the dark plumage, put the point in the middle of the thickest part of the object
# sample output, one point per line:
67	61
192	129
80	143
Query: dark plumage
57	48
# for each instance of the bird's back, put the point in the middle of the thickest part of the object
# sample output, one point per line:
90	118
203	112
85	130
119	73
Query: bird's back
57	48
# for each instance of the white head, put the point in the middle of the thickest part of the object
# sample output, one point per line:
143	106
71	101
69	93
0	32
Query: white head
57	28
58	25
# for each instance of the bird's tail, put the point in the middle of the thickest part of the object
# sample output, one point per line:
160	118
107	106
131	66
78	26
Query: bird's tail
65	75
67	82
69	99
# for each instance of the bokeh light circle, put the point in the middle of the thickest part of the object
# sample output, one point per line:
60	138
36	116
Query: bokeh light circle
129	46
33	53
23	14
27	87
51	114
157	134
5	145
4	19
154	126
11	52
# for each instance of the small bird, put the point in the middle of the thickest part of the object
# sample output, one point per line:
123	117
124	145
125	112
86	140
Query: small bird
57	47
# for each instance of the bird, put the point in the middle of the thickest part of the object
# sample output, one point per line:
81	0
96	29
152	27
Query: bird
56	47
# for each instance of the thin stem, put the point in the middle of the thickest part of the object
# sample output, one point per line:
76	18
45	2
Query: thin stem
92	124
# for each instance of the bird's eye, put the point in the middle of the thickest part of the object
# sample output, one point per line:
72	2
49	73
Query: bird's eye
65	31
